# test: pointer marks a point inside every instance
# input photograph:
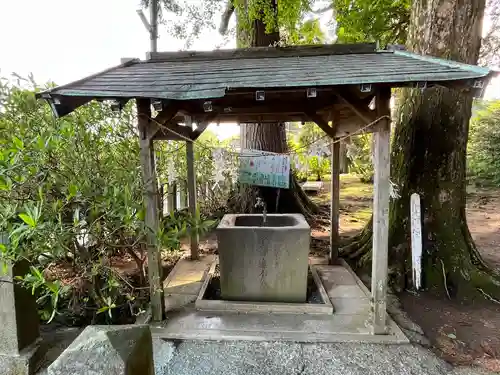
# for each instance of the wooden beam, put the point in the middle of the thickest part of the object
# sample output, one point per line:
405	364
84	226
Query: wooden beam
381	215
335	202
359	107
322	123
191	182
203	124
167	114
152	220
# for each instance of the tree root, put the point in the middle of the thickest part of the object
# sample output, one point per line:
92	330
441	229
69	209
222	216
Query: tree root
453	268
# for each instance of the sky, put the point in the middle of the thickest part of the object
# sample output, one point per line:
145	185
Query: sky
65	40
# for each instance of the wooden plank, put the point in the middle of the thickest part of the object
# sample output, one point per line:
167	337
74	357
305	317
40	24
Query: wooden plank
381	215
151	206
335	202
191	185
203	125
322	123
167	114
358	107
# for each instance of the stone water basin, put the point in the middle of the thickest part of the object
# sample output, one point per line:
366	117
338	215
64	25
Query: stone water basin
263	261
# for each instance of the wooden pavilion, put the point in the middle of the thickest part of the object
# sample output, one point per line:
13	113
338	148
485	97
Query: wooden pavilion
331	85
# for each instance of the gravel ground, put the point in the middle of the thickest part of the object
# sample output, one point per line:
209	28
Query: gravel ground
266	358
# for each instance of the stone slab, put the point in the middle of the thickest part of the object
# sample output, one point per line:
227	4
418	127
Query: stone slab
21	348
351	306
338	275
345	291
272	327
27	362
19	327
125	349
178	301
313	186
183	287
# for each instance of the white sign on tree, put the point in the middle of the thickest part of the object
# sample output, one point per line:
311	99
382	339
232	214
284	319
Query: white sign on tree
264	169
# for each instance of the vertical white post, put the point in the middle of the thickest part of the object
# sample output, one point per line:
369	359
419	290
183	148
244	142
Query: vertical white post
381	215
416	240
191	182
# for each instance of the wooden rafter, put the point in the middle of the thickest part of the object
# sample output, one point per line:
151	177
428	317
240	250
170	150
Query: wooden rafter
203	124
359	107
167	113
322	123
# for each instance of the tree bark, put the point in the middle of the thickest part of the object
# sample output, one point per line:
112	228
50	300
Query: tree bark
344	160
268	137
429	158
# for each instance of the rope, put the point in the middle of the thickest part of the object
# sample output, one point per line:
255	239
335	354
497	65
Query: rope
295	151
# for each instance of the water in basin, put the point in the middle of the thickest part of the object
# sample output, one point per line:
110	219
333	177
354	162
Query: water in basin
271	221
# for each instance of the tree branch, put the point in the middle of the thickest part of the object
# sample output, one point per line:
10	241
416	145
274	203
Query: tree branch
226	16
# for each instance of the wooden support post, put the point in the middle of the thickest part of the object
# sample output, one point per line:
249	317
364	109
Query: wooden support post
335	202
381	215
172	197
183	195
191	184
146	133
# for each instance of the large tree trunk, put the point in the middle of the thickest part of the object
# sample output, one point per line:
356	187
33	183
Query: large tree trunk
429	158
268	137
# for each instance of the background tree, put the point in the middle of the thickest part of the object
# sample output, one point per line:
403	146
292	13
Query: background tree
484	144
262	24
429	158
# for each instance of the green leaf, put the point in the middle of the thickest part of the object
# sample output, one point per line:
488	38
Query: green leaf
73	190
28	220
18	142
103	309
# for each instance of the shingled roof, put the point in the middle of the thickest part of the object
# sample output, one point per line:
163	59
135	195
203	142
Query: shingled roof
204	75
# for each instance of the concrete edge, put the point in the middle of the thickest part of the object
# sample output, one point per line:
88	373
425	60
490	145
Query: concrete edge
206	280
321	288
228	222
393	326
363	287
326	308
298	337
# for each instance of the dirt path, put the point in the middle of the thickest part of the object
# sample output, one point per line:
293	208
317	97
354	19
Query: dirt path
483	218
466	333
462	334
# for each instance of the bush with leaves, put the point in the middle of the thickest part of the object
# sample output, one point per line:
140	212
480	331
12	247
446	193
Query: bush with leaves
483	157
359	152
172	169
71	205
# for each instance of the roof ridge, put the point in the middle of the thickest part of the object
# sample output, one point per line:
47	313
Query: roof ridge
263	52
445	62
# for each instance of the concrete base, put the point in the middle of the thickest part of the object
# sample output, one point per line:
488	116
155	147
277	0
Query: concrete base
324	308
349	323
26	363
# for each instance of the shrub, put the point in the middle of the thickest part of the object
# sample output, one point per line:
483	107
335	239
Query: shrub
71	204
483	152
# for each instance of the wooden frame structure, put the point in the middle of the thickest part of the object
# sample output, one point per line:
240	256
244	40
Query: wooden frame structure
335	87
